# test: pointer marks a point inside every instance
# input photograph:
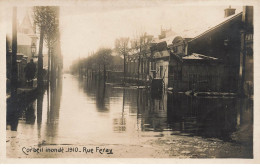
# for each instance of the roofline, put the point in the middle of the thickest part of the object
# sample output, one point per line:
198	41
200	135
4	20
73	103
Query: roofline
218	25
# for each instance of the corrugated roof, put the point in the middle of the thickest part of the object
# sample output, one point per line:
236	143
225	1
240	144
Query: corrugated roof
168	40
196	56
164	53
196	32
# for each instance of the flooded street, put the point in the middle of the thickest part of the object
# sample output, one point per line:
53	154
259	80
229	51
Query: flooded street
80	115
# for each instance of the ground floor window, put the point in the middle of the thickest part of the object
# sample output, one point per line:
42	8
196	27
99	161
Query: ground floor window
153	66
161	71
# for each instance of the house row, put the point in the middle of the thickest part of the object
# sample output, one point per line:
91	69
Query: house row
26	49
218	58
27	42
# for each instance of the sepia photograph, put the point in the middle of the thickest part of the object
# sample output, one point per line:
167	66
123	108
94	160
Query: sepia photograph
129	79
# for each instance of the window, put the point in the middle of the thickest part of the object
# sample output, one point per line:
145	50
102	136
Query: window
161	71
179	49
153	66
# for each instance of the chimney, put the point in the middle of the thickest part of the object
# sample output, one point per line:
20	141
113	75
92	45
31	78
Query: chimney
229	11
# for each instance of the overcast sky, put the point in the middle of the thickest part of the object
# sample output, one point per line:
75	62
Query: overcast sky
86	28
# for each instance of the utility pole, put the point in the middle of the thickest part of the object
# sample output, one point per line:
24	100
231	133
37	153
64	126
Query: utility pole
40	63
60	58
14	72
124	66
139	57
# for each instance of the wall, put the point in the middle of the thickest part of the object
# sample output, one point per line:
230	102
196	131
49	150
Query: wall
222	42
199	75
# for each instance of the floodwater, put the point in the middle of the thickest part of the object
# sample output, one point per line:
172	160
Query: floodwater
130	121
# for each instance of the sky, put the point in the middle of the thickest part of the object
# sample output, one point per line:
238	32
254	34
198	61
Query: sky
84	31
85	28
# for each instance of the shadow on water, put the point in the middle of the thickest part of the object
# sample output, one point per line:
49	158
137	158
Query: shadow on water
195	116
130	110
228	119
207	117
30	114
119	123
98	91
28	110
101	97
152	111
224	118
53	109
22	109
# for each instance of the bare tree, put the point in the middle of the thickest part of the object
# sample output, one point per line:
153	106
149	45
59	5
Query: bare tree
102	58
40	19
44	18
140	44
122	48
51	38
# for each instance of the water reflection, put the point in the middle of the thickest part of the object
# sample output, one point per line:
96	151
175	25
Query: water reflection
87	111
23	110
119	124
96	90
100	97
193	116
152	111
207	117
178	113
30	113
53	110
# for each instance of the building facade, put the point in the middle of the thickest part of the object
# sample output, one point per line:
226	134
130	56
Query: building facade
223	42
195	72
210	61
26	48
138	60
218	59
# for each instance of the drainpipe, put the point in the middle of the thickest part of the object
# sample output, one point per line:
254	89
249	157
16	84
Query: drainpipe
14	70
242	93
243	34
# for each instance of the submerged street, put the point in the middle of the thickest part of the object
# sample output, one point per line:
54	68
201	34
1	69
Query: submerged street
83	118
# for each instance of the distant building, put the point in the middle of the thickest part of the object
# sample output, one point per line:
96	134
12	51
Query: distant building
210	59
165	33
160	62
26	38
26	42
217	57
138	60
